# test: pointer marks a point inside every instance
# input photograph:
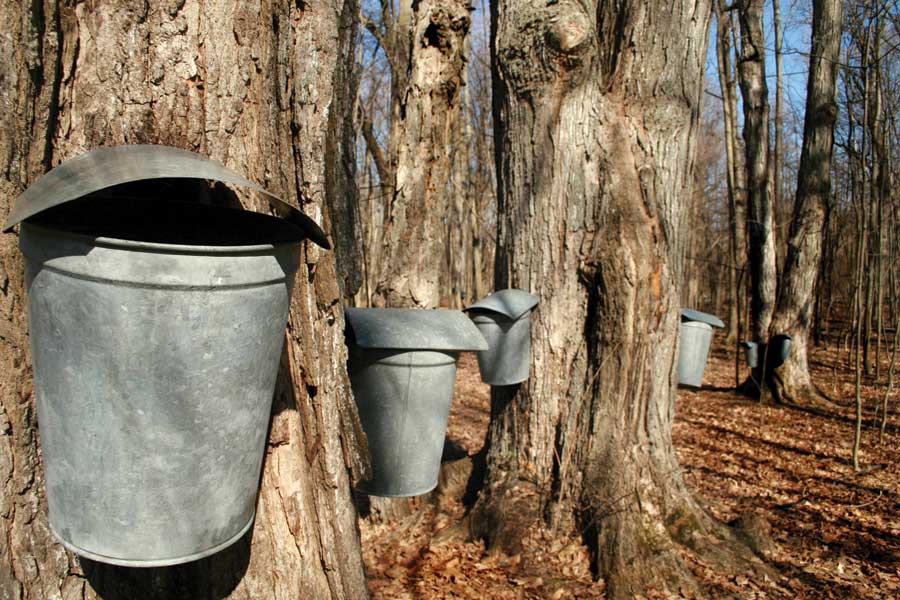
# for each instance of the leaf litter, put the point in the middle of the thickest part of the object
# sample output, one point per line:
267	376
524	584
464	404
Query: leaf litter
835	533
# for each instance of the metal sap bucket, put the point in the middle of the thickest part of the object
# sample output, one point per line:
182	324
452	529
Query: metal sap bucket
693	347
504	319
776	351
751	352
402	365
156	331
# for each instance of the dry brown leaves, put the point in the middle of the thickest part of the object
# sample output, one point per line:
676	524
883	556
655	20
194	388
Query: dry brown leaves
836	533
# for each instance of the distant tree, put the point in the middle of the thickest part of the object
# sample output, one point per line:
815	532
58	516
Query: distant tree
426	46
267	89
736	174
760	206
596	116
796	295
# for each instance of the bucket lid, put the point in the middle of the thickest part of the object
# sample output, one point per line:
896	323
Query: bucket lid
414	329
511	303
114	165
689	314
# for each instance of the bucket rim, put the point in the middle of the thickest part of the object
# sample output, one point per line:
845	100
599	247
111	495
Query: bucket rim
155	562
159	247
489	317
512	303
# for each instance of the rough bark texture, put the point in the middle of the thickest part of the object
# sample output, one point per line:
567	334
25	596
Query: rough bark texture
596	114
736	174
791	382
428	61
760	214
778	147
266	89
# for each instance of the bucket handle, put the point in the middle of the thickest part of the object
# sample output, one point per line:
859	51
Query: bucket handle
114	165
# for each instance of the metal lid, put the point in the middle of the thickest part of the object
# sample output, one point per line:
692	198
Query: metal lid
114	165
689	314
414	329
511	303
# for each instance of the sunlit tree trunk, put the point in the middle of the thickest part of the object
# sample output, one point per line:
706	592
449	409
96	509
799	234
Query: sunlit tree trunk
596	116
234	82
735	177
760	213
793	315
426	46
778	147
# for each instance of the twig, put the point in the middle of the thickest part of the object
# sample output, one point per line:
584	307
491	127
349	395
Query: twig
803	496
871	502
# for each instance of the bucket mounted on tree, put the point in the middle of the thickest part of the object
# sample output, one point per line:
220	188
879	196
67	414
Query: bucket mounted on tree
504	319
402	365
693	346
156	329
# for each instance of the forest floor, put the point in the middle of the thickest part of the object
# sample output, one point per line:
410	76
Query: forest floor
836	533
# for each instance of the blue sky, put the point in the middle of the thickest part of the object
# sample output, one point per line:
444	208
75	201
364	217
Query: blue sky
795	22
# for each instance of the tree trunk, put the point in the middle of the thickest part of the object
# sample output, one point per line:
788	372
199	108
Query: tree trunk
878	191
428	60
596	115
778	147
735	179
791	382
760	217
235	83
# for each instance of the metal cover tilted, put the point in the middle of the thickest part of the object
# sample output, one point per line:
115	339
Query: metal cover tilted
114	165
414	329
510	303
689	314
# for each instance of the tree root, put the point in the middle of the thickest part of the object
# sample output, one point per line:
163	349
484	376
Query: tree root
633	550
503	515
805	397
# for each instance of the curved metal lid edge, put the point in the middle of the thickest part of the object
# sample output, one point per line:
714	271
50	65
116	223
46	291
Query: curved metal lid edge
695	315
414	329
511	303
114	165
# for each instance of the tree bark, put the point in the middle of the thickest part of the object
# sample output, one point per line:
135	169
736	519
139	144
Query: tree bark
735	172
237	83
760	217
778	147
791	382
596	115
428	57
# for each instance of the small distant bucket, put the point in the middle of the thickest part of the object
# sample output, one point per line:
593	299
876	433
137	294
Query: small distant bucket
156	331
504	319
693	346
776	351
402	365
751	353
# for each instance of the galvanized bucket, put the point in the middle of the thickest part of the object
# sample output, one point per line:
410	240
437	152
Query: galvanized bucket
751	352
402	365
693	346
504	319
776	351
156	332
